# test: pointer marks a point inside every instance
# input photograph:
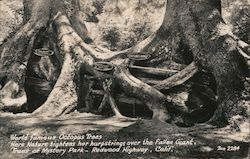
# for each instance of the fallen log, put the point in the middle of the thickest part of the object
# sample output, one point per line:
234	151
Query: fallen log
178	78
154	71
149	81
122	98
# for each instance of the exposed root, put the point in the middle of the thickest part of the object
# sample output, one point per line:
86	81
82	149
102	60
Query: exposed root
83	54
244	54
144	44
244	46
8	101
63	96
65	87
103	103
106	87
142	91
88	99
9	89
13	104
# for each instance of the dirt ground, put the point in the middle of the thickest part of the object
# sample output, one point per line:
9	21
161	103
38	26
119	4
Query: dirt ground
207	138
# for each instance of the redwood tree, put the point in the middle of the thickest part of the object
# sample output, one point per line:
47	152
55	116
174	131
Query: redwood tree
195	24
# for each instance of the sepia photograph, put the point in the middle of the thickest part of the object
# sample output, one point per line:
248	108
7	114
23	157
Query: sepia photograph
124	79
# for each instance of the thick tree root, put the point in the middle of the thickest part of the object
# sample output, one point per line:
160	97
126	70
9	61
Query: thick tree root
7	101
63	96
82	53
142	91
107	90
13	105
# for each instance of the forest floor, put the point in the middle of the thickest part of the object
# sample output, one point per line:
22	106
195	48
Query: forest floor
205	139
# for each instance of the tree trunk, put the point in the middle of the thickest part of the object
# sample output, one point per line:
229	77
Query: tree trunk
198	23
17	50
192	30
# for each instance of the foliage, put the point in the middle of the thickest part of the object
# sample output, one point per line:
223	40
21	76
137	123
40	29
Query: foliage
11	17
241	23
237	14
111	36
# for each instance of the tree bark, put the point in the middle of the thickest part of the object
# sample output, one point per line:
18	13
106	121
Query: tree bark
199	24
16	52
194	26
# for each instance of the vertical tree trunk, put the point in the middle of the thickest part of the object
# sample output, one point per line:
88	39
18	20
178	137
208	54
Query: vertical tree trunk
199	25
